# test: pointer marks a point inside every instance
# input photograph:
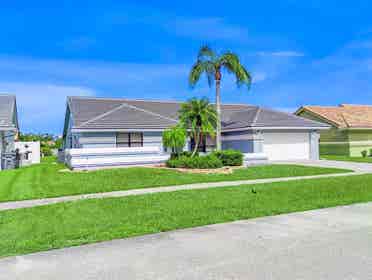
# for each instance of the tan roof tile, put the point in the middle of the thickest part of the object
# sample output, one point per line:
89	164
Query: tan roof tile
345	115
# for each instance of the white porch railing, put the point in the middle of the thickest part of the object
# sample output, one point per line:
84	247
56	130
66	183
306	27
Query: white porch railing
88	158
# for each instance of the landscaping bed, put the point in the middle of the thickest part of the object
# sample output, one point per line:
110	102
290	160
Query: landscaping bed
87	221
222	170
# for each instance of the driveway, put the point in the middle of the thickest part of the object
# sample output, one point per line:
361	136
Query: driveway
356	166
333	243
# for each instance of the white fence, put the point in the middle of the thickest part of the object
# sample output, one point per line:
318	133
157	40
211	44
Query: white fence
93	158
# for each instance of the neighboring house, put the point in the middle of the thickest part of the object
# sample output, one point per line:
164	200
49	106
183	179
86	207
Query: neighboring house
8	130
29	152
351	131
104	132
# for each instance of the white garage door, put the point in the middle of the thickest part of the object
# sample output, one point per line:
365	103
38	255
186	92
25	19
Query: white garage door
286	146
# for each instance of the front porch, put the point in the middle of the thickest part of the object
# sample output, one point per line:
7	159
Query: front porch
93	158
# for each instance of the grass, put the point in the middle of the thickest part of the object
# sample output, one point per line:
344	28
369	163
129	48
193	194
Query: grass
46	180
87	221
347	158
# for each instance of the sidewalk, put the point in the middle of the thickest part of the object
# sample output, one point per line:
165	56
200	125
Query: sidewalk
328	244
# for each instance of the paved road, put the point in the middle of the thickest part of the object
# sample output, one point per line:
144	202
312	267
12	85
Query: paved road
334	243
359	168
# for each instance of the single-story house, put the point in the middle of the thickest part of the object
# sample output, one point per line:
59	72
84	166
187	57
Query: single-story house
104	132
8	130
351	128
29	152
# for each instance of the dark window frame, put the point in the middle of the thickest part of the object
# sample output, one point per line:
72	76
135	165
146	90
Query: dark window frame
129	143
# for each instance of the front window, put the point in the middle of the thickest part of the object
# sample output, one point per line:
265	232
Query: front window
132	139
206	144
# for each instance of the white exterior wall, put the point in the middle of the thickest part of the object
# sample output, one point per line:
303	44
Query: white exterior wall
108	140
30	148
95	140
98	150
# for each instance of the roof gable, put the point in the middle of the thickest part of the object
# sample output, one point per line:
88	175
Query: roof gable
344	116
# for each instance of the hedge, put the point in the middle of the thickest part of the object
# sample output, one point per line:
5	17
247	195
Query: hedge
198	162
230	157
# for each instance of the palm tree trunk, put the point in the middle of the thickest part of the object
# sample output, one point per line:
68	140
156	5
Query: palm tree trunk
196	143
218	110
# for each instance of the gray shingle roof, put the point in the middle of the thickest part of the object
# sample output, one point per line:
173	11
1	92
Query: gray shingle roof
105	113
7	106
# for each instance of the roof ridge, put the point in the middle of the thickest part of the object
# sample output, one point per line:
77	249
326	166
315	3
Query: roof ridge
344	119
256	116
149	112
102	115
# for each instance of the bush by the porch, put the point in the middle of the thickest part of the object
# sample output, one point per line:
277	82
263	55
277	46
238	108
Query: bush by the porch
175	139
197	162
230	157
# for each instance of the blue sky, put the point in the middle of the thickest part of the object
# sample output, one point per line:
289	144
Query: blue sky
299	52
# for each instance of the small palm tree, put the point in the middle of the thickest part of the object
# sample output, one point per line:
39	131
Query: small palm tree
175	139
200	118
211	64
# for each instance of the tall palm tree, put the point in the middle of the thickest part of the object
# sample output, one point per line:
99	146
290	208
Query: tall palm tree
200	117
212	64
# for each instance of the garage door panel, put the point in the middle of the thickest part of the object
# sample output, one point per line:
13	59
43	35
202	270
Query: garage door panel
286	146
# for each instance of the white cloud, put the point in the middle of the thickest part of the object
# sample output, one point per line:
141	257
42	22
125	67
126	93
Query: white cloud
259	77
289	110
340	77
41	107
282	54
207	29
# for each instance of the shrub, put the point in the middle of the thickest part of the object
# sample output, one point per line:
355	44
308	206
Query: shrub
203	162
230	157
364	153
183	154
46	151
370	152
175	139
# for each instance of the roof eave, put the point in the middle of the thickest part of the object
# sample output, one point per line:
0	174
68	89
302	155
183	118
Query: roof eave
355	128
8	128
77	129
277	128
330	122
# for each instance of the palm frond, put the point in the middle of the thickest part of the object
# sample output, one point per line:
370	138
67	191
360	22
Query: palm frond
231	63
206	53
199	116
243	77
198	69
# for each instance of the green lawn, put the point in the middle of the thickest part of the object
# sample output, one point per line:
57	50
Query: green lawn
346	158
80	222
45	180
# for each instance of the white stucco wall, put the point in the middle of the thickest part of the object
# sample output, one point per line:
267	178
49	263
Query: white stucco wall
32	149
